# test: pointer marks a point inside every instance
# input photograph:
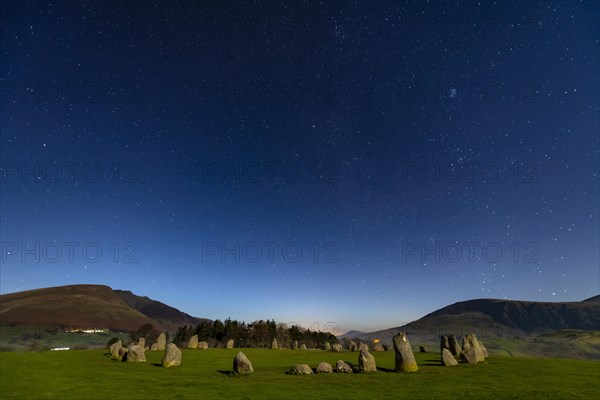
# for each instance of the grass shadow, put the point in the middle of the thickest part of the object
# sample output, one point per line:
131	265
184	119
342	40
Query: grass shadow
156	364
385	369
226	373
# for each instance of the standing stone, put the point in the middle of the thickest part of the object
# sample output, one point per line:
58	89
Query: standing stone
327	346
154	347
343	367
123	354
295	345
378	347
161	342
303	347
203	345
324	368
405	359
114	349
448	359
142	342
422	349
241	364
483	349
230	344
172	357
366	362
352	346
472	352
363	346
454	346
193	342
337	348
274	345
136	353
444	343
300	369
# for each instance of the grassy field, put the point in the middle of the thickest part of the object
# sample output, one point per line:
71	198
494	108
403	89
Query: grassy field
39	338
204	374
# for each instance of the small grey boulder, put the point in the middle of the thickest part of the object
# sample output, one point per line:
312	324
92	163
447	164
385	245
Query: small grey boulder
136	353
324	368
366	362
448	359
300	369
343	367
241	364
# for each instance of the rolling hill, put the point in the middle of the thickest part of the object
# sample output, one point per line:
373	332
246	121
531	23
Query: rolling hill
499	318
89	306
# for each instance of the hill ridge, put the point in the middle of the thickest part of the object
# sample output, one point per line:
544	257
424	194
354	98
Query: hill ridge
89	306
500	317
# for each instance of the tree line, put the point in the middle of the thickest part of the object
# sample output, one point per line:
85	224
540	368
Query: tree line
256	334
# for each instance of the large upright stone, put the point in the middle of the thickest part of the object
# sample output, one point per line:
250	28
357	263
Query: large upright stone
295	345
472	353
337	347
172	357
366	362
405	359
352	346
327	346
230	344
483	349
241	364
136	353
274	345
343	367
154	347
203	345
114	349
444	343
193	342
161	342
448	359
142	342
454	346
303	347
363	346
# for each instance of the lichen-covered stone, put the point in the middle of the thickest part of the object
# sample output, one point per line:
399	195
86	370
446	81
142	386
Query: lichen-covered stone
405	359
172	357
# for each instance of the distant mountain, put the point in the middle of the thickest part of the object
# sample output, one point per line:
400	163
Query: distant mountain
351	334
499	318
595	299
167	316
89	306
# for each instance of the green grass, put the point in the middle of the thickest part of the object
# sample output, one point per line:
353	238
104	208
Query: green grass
89	374
44	338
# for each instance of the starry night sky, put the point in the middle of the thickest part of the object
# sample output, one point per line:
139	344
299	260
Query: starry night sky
201	146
